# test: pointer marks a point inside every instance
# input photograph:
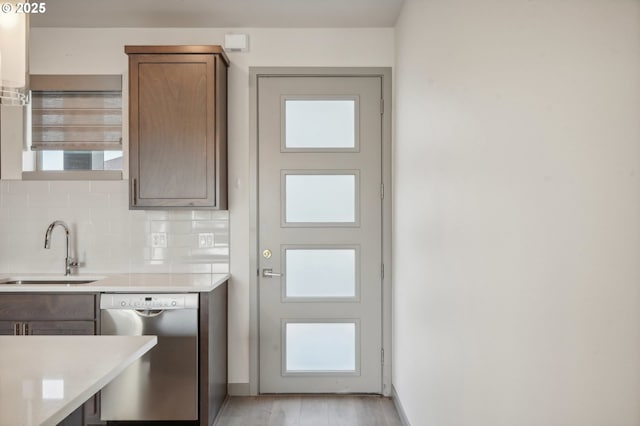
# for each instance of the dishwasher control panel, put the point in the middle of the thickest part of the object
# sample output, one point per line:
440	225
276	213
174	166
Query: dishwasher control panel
148	301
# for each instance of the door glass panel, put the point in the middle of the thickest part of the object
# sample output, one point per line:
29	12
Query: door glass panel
320	273
320	124
320	198
318	347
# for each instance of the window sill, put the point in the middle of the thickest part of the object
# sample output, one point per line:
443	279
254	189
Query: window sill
73	175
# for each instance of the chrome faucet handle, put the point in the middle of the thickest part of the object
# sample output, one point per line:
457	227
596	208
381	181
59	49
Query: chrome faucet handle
70	263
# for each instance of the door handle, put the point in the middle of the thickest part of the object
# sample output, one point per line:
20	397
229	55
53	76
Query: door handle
268	273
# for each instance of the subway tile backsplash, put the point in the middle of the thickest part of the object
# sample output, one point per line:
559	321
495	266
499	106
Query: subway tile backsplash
106	235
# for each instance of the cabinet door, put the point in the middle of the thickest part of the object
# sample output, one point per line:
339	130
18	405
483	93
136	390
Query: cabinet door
174	160
60	328
8	328
30	306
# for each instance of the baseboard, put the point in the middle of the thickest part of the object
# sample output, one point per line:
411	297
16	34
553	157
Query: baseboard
221	410
239	389
396	401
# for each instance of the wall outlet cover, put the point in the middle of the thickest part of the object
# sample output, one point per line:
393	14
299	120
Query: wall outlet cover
205	240
159	239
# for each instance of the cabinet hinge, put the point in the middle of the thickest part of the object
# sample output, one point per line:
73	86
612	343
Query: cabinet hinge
382	270
381	106
382	356
382	191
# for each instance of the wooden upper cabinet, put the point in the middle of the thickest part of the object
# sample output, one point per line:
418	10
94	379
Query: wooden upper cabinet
177	126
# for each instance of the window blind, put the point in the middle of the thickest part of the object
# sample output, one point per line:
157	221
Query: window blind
76	113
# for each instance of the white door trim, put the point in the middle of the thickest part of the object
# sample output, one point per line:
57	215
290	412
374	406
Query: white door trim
254	73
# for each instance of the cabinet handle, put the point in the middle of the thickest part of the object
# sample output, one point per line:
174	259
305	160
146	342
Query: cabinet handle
135	192
25	329
16	329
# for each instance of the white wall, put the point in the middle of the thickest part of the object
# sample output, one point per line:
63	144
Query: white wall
517	212
86	51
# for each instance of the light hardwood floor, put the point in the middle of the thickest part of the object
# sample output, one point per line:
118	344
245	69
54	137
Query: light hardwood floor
348	410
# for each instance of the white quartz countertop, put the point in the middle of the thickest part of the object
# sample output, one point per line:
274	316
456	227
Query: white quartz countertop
43	379
117	283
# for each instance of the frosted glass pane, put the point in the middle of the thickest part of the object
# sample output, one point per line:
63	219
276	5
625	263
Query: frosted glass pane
321	347
320	273
320	124
320	198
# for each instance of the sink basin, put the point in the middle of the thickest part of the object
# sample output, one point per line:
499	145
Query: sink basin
59	282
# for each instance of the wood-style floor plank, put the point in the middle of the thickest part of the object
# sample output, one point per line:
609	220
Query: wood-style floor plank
246	411
309	410
285	411
390	414
314	411
343	411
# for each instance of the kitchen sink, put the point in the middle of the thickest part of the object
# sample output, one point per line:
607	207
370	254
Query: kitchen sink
48	279
58	282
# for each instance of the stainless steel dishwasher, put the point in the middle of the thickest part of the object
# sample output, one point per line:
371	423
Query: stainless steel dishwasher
163	384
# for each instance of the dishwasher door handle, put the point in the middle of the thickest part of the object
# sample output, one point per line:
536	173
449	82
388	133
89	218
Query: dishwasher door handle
149	313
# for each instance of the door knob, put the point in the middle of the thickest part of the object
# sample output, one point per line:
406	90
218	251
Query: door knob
268	273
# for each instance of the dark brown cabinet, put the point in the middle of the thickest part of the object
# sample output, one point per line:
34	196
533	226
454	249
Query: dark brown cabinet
9	328
177	126
213	353
60	328
47	328
46	314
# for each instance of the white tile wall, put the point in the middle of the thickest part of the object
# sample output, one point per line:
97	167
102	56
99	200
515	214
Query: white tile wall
108	237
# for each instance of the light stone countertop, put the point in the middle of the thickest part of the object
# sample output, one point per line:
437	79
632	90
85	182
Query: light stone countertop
43	379
116	283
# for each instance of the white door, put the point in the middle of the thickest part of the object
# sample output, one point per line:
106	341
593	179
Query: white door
320	233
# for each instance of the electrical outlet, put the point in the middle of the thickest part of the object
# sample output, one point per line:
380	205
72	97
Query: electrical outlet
158	239
205	240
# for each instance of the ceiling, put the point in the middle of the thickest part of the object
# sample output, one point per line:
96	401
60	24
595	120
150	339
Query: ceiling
219	13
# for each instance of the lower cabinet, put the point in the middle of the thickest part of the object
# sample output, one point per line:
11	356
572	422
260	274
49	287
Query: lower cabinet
213	353
8	328
60	328
78	314
47	314
47	328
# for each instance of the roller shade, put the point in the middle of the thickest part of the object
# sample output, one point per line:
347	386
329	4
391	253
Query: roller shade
76	113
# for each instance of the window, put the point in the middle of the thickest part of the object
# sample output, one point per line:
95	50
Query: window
313	124
76	123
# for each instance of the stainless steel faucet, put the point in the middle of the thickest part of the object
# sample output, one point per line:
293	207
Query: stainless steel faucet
68	261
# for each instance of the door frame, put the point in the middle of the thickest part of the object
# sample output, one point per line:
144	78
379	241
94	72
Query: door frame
254	312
